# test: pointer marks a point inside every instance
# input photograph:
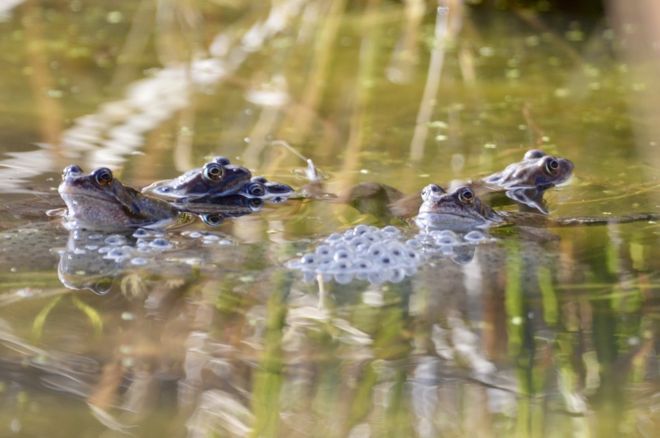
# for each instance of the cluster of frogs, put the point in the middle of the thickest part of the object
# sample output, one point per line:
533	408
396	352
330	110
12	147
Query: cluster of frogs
450	224
99	201
448	221
215	191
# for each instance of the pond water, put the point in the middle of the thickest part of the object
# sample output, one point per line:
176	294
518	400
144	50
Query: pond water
548	332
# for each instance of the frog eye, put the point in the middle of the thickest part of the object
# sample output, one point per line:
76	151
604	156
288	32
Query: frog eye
255	203
103	176
256	189
466	195
212	219
213	171
551	166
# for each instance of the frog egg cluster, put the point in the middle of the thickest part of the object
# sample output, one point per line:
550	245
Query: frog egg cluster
459	247
364	252
208	238
446	241
118	248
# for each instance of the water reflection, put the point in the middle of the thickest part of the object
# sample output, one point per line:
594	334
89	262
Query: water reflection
496	329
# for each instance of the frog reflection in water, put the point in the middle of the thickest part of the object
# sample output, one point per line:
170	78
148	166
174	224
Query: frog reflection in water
524	182
99	201
215	180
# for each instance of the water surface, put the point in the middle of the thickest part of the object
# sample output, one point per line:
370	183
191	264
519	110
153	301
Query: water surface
551	332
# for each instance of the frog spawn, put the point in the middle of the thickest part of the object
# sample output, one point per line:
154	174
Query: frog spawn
450	244
91	259
363	252
380	255
117	247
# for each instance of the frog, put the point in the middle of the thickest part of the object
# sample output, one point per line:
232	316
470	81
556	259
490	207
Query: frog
100	201
213	209
536	170
217	177
215	180
524	182
450	224
462	210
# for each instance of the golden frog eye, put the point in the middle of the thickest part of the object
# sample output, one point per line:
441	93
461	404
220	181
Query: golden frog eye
213	171
103	176
466	196
551	166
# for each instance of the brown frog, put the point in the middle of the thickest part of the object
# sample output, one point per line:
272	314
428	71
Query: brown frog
99	201
462	210
524	182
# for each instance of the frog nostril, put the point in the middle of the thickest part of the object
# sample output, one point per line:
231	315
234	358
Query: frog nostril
257	190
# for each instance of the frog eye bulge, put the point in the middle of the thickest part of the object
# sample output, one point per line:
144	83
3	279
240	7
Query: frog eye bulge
431	191
551	166
213	171
223	161
466	196
103	176
72	169
255	203
256	189
533	154
212	219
